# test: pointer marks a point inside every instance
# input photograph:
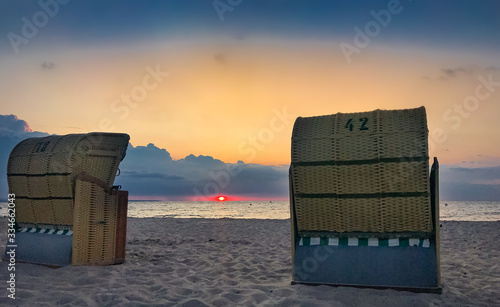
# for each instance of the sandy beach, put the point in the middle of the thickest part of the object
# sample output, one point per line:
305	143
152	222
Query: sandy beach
229	262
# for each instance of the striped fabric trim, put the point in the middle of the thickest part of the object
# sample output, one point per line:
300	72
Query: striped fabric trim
46	231
404	242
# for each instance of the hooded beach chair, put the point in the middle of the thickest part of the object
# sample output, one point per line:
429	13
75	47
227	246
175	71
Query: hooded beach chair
364	210
66	208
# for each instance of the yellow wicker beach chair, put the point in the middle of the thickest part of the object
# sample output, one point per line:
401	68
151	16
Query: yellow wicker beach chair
67	210
364	211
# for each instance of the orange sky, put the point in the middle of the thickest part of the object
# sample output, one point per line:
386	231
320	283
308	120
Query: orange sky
219	94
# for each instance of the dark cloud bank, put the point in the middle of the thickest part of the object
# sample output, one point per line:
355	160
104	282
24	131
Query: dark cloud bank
149	172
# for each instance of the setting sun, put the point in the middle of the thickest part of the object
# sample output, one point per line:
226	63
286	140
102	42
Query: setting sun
221	198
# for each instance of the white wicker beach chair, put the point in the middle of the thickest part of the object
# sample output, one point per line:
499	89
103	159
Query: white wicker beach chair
364	211
67	210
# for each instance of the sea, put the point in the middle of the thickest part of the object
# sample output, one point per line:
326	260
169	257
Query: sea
449	211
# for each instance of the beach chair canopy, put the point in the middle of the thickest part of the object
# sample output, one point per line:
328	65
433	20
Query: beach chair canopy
63	185
362	172
42	172
361	179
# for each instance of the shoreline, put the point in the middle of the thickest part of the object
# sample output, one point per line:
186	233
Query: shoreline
219	262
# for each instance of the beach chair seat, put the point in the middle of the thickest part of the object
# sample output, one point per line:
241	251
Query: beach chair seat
67	210
364	208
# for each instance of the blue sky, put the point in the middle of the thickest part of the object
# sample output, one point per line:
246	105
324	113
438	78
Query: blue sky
465	24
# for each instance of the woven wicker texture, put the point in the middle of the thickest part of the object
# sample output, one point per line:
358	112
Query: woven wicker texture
362	172
95	222
41	172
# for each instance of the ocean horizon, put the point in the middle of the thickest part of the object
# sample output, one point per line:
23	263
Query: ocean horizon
280	210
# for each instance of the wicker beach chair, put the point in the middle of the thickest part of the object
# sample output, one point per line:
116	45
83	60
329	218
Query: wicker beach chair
67	210
364	210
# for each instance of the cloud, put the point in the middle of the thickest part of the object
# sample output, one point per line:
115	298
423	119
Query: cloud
220	58
492	68
204	176
13	127
13	124
150	175
481	161
150	185
460	183
463	191
150	171
452	73
140	157
47	65
12	131
473	175
257	180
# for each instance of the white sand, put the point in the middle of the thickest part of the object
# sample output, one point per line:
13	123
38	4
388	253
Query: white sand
197	262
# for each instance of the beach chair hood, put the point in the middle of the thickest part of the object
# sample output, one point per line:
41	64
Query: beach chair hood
67	211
